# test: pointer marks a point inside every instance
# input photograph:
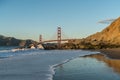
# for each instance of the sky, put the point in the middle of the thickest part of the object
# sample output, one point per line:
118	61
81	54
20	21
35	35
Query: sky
27	19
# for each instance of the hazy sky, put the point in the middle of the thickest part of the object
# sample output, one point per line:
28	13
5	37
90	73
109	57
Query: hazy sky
26	19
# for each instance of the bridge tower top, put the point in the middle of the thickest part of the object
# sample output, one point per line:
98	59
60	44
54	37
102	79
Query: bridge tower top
59	36
40	39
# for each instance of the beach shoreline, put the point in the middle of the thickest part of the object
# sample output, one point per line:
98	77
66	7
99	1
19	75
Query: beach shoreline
93	66
111	53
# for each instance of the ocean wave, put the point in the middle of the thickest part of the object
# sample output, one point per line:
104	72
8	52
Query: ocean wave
16	52
52	72
1	51
65	56
52	68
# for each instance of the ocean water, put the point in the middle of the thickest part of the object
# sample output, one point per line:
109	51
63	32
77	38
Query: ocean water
96	67
34	64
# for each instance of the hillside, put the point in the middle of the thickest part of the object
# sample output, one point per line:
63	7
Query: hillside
111	34
11	41
107	38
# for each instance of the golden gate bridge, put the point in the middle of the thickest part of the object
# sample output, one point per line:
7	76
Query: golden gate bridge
58	40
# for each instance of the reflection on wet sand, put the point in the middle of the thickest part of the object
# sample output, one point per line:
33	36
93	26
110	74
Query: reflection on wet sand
113	63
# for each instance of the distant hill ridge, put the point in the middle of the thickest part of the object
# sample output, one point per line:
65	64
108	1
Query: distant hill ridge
11	41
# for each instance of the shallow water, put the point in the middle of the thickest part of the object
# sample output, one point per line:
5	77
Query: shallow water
34	64
57	65
94	67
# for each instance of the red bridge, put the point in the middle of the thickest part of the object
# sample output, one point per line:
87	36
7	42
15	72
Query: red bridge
58	40
61	40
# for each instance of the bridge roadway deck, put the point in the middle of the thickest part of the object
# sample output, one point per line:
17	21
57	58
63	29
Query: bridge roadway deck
61	40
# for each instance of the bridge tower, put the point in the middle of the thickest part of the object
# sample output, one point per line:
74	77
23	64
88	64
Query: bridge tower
59	37
40	39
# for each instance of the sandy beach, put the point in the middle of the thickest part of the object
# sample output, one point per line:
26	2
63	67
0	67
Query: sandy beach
111	53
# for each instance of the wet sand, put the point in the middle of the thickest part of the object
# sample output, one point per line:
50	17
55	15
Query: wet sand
113	63
89	67
111	53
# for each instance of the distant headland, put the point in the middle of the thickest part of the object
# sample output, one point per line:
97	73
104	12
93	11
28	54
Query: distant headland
11	41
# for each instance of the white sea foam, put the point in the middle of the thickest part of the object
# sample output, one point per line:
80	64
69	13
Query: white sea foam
50	77
14	50
52	72
5	50
53	67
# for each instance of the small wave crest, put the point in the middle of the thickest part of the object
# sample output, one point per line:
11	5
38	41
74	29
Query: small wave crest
16	52
53	67
52	72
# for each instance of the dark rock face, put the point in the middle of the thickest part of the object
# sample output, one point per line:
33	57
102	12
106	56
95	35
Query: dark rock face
11	41
8	41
